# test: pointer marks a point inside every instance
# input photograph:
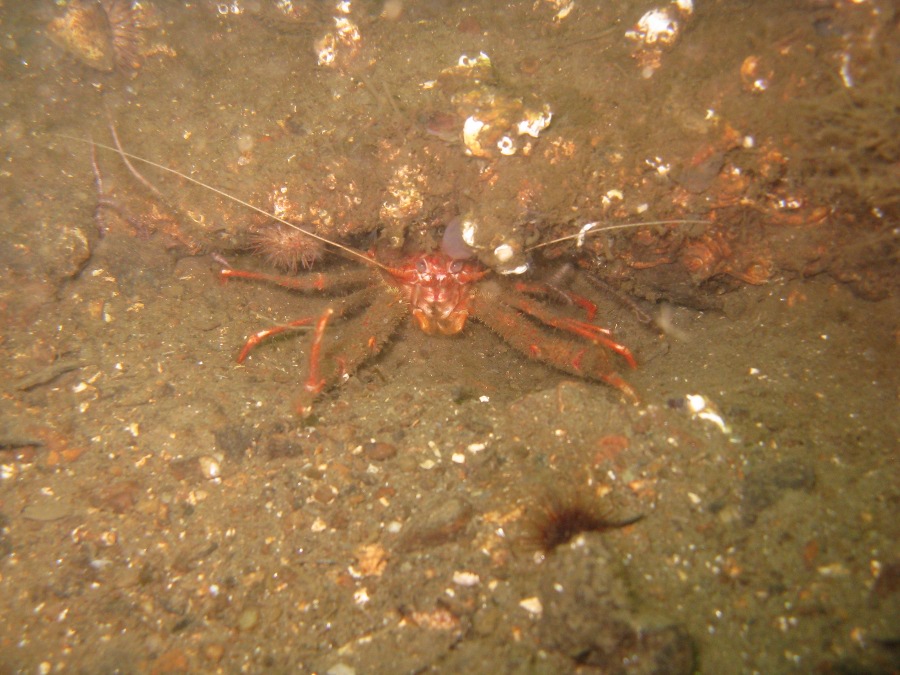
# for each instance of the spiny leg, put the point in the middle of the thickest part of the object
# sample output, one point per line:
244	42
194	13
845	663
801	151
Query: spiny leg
315	382
543	289
264	334
349	304
363	337
589	331
623	299
307	282
564	354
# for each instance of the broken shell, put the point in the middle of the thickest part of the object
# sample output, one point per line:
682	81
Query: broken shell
340	46
506	146
504	253
702	408
472	128
657	26
532	605
534	122
464	578
210	467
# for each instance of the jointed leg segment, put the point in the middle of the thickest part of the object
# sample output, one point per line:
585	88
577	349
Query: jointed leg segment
505	317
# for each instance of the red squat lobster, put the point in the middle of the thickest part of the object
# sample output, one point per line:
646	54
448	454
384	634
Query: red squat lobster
441	293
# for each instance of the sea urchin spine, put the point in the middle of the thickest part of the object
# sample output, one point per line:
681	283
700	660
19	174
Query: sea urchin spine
286	248
559	519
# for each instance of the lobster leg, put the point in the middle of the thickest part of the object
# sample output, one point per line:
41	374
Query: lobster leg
362	338
589	331
307	282
315	383
546	289
568	355
348	305
259	336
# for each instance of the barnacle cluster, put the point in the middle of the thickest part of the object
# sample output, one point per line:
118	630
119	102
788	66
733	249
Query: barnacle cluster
491	121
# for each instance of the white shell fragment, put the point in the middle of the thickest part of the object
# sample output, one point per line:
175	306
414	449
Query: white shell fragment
503	253
339	46
658	26
562	7
468	232
361	597
587	227
517	269
469	62
535	122
466	578
506	146
532	605
471	129
656	31
702	408
210	467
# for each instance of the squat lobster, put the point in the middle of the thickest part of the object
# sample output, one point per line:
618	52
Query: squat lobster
441	294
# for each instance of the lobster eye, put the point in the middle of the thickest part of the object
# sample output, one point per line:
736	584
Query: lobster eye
422	266
455	267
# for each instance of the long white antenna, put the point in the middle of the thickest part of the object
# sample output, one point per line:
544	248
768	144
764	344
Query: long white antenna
597	227
127	155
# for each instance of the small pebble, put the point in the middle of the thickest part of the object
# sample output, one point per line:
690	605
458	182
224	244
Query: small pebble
214	652
46	511
248	619
379	452
324	494
439	520
532	605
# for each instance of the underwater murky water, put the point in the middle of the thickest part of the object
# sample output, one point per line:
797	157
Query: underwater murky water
165	509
